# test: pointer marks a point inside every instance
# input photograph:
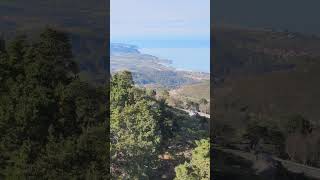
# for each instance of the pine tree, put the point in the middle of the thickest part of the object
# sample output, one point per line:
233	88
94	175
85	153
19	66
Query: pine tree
134	130
52	124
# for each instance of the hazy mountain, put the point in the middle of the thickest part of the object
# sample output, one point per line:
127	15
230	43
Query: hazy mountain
119	48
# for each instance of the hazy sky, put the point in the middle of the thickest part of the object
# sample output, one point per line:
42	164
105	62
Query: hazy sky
160	19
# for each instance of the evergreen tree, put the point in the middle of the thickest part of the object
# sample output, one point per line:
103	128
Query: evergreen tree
134	130
121	92
52	124
199	166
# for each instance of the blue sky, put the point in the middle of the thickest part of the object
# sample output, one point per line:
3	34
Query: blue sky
178	30
160	20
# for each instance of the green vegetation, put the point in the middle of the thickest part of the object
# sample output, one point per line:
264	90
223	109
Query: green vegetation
199	166
83	21
53	116
134	134
53	125
143	127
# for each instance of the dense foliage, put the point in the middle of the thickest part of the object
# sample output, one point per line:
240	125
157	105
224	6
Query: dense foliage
134	130
199	166
52	124
143	126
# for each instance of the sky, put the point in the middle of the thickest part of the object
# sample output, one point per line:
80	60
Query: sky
178	30
160	20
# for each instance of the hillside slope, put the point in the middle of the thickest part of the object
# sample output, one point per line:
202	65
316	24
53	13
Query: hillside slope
266	86
240	51
193	92
273	73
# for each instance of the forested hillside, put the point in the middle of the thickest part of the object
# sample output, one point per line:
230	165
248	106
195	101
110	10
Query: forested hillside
149	138
266	94
85	22
52	123
263	71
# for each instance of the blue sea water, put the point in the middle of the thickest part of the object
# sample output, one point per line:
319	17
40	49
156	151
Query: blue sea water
191	59
190	55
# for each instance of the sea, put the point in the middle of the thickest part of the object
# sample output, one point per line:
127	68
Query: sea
188	55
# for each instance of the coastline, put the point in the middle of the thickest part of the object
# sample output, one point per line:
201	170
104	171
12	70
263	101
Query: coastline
182	59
